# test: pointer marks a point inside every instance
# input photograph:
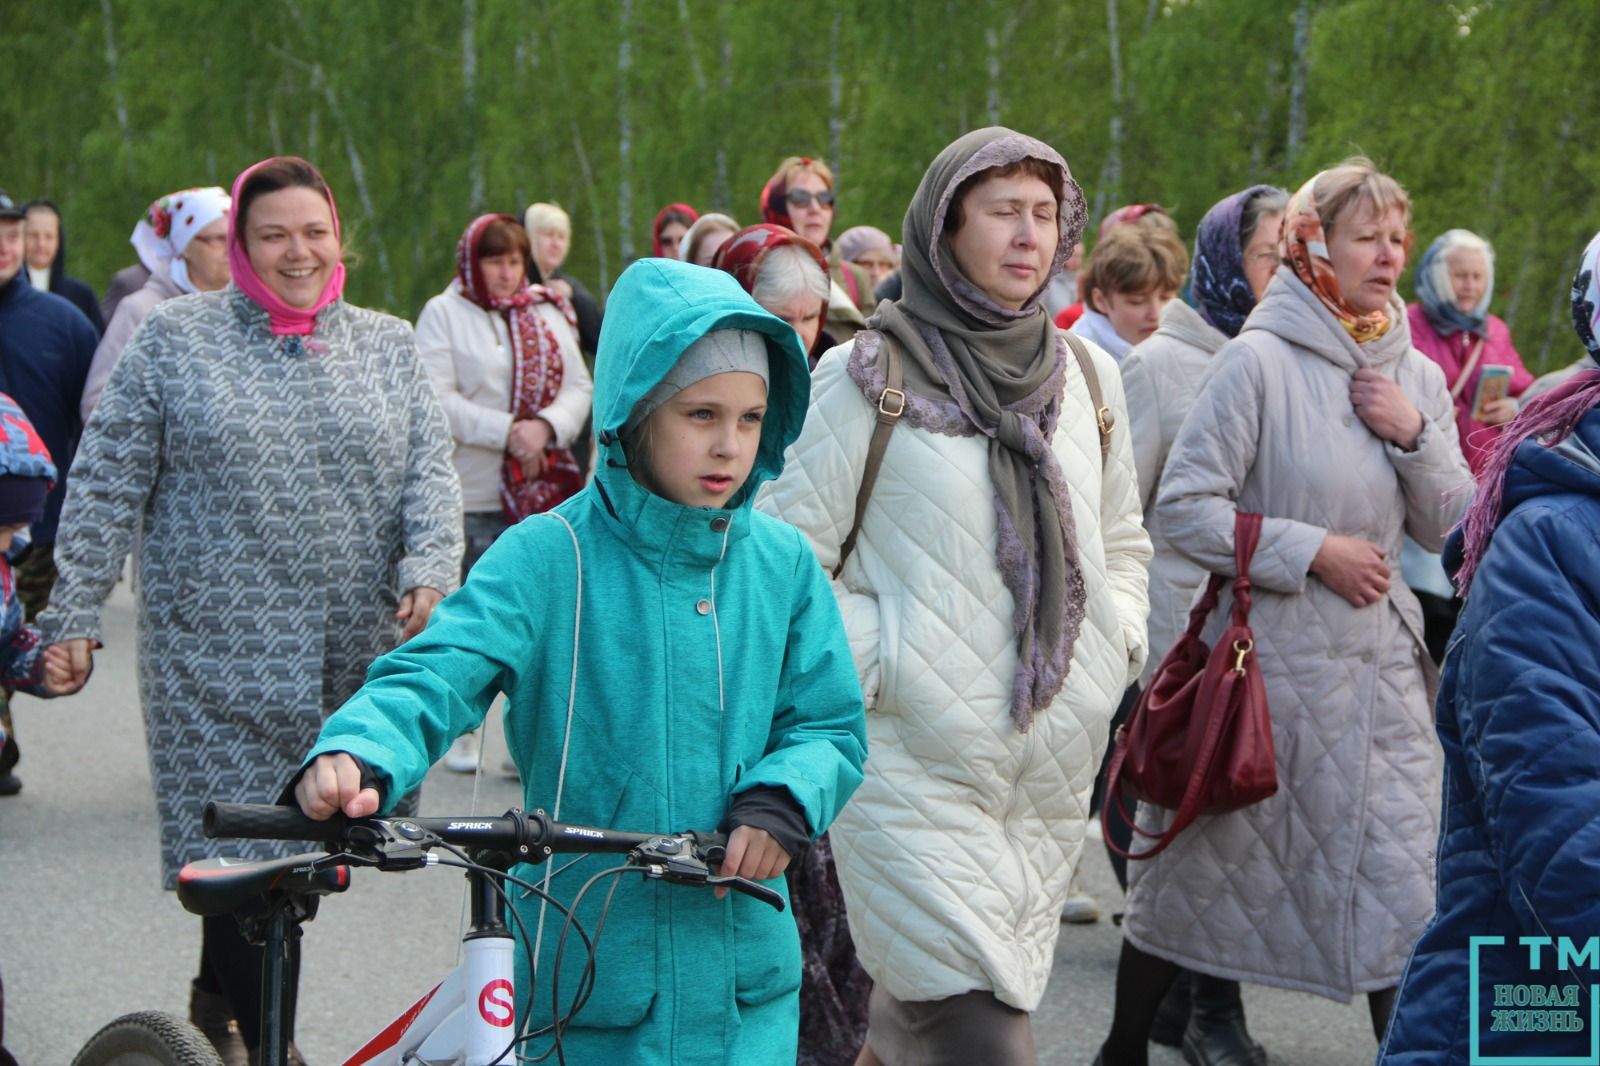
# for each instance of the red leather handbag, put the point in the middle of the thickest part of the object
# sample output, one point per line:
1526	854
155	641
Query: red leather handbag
1199	740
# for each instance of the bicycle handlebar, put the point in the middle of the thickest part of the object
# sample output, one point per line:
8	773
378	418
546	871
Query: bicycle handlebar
531	837
680	857
260	821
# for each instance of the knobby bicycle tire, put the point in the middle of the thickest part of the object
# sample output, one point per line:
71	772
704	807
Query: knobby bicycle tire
148	1038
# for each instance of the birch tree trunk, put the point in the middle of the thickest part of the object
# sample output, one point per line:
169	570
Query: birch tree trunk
991	103
594	205
721	192
1297	83
690	49
625	134
835	101
118	97
1110	191
469	86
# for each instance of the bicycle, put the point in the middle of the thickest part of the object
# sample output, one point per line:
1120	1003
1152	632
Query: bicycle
463	1020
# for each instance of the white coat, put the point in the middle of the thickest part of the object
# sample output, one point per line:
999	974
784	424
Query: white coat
467	353
955	854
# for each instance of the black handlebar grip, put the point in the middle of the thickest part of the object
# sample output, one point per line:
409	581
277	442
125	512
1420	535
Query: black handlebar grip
259	821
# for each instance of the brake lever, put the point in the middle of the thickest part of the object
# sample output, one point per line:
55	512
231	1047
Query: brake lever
390	845
754	889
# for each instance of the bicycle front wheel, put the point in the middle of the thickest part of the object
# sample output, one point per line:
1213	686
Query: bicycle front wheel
148	1038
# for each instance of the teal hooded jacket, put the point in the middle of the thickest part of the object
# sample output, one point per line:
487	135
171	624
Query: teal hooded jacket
709	659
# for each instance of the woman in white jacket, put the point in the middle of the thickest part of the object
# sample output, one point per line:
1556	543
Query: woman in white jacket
995	601
503	356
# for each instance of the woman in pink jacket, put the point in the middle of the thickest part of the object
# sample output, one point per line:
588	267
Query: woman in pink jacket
1451	324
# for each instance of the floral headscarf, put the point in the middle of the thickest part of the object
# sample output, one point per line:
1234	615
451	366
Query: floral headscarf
170	223
1305	249
1125	214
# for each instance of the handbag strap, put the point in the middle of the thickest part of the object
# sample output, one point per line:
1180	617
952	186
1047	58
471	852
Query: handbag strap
1466	370
1103	416
1246	536
891	405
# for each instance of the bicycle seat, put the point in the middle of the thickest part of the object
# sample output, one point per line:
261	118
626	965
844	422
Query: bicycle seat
221	886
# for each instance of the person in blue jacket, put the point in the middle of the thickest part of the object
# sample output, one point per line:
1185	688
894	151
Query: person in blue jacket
713	682
1519	720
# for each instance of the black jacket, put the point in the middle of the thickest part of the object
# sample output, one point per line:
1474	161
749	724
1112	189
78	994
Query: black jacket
46	346
79	293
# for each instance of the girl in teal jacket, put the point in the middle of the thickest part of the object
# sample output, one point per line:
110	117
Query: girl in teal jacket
714	685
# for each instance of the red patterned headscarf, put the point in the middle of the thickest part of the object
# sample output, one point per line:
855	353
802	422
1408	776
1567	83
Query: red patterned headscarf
742	255
1304	246
536	372
1125	214
661	220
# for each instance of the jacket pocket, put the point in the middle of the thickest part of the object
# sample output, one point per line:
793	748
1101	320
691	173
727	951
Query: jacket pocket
766	950
625	979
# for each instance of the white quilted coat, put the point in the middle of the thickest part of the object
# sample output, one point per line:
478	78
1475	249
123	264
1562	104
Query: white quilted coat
1162	377
1324	886
955	853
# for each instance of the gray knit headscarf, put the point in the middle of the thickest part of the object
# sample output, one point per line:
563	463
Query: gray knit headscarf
973	367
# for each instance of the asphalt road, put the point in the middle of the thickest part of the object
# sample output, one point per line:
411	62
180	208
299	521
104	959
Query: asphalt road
86	934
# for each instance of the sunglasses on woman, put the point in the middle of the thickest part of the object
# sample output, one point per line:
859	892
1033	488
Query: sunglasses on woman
803	197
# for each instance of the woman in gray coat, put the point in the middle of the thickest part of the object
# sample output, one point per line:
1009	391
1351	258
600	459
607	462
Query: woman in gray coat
289	466
1321	417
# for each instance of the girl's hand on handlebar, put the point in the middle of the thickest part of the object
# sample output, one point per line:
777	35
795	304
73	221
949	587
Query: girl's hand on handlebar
752	853
332	785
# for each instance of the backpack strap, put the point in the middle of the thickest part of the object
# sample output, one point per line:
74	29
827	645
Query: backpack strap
1103	416
891	405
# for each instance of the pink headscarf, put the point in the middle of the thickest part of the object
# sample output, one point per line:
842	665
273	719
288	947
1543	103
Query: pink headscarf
283	318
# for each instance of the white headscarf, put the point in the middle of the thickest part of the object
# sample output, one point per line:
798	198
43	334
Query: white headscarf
170	223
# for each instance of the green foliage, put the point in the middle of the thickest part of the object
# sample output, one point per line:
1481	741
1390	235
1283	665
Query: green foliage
1480	108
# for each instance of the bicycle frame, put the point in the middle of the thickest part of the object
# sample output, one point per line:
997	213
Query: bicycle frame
467	1019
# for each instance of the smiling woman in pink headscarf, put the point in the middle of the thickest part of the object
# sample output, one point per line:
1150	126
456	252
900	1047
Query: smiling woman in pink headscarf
289	466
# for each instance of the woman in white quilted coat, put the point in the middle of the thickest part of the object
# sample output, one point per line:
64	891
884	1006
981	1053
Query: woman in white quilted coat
1321	417
995	602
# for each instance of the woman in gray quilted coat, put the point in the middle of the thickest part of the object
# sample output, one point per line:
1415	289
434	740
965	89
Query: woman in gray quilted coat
1322	417
289	466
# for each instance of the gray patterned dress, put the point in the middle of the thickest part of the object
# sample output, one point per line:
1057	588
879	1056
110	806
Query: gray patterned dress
290	490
